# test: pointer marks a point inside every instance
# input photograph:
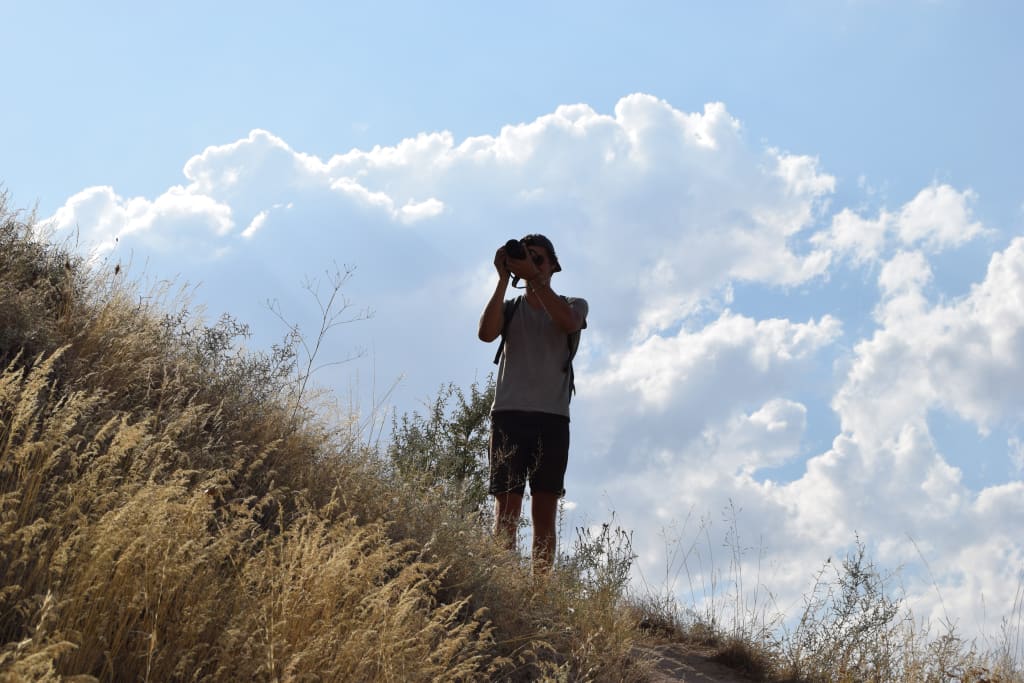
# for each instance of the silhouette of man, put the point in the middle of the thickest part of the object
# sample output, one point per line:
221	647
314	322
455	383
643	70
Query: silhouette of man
530	415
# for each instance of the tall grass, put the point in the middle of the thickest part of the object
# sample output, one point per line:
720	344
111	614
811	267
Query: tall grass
173	508
853	624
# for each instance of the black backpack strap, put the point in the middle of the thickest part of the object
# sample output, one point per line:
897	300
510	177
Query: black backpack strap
574	345
509	310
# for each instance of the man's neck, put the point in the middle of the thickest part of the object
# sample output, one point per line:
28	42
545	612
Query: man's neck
533	298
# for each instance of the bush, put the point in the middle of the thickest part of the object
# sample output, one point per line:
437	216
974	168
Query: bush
446	449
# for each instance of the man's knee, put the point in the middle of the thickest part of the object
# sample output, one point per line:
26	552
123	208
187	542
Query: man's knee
508	504
544	505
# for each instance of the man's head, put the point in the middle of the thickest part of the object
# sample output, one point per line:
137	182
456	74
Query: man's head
538	243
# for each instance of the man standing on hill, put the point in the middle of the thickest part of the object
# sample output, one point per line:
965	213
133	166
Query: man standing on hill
530	415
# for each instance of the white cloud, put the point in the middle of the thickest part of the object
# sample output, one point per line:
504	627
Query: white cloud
261	164
416	211
650	193
803	177
966	356
684	187
937	219
862	238
768	437
411	212
660	370
255	224
907	272
886	475
179	215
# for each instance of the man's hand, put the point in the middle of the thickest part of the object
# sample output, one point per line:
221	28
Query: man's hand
493	317
524	268
501	263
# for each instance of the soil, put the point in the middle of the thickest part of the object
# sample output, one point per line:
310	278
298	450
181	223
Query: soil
686	662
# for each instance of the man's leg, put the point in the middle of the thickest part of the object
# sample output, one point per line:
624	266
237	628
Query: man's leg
544	510
507	508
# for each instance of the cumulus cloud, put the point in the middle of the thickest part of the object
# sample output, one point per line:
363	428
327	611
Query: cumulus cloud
238	183
907	272
862	239
937	219
966	356
174	217
698	206
961	357
768	437
885	477
661	370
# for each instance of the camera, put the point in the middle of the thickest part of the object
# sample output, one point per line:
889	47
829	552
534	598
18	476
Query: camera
515	249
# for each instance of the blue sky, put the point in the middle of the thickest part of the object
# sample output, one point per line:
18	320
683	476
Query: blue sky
797	225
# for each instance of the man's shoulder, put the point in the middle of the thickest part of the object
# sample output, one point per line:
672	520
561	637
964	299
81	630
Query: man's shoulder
578	303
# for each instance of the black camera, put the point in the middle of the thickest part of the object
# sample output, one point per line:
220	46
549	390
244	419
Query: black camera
515	249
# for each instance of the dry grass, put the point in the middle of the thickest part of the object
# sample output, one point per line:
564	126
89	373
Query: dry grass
167	511
854	627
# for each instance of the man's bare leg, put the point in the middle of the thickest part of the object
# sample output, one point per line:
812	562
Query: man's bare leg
507	508
544	510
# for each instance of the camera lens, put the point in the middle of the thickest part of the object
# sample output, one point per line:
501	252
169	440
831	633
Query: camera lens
514	249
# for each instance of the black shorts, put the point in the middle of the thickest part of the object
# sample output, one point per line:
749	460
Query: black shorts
528	446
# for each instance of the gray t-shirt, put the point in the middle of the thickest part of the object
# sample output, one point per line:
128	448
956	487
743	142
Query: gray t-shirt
532	371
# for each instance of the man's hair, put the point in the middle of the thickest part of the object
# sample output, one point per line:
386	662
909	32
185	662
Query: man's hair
538	240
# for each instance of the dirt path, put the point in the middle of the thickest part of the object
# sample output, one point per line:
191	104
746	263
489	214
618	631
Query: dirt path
682	662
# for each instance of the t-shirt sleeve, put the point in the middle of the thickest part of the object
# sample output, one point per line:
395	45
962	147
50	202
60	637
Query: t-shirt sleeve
580	306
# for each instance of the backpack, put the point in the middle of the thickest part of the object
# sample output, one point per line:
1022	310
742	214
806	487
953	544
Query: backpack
573	340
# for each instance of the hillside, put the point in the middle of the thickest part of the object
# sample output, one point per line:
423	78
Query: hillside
174	507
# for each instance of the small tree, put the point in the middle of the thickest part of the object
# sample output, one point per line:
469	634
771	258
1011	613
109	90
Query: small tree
849	623
447	447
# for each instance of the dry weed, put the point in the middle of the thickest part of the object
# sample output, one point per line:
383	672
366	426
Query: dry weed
168	512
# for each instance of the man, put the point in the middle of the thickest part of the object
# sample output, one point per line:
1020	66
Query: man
530	415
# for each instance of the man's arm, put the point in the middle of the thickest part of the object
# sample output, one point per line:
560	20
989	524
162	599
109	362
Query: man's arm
562	314
493	317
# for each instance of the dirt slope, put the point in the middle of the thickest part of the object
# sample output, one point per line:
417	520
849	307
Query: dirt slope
683	662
